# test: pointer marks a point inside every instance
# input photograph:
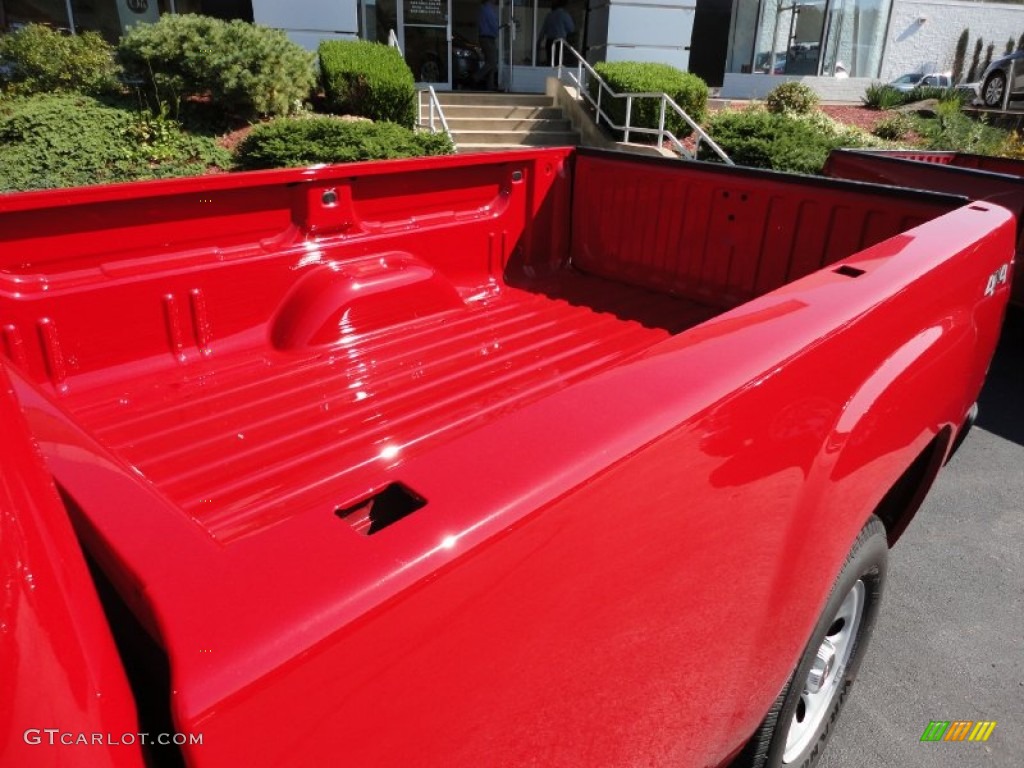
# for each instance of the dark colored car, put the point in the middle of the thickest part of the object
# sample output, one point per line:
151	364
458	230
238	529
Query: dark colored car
467	60
997	75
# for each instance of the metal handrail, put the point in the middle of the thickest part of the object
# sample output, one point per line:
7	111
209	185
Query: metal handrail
577	79
436	114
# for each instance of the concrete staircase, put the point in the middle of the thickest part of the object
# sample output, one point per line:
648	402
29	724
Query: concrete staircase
490	121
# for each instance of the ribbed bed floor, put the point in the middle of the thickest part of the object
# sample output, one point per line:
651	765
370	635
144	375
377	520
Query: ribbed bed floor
245	440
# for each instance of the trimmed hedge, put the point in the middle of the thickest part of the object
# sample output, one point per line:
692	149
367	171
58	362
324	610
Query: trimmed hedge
687	90
782	142
245	69
368	79
40	60
297	142
792	97
68	140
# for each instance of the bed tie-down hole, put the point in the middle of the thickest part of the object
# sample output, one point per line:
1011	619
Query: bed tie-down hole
374	513
847	271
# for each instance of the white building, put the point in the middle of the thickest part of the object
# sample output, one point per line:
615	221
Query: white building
749	45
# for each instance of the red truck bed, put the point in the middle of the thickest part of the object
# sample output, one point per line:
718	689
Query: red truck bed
998	180
232	378
221	364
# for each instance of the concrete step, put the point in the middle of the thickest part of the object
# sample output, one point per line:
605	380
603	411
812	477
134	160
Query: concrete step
487	98
512	138
494	112
465	149
458	124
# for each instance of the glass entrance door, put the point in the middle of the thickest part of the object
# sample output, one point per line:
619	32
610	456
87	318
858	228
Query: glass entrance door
426	39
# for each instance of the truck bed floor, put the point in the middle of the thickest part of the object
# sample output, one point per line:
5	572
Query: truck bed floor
244	440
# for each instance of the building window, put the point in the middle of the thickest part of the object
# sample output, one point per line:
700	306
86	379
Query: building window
52	13
841	38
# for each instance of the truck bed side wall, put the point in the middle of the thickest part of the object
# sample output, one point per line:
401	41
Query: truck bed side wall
719	236
170	272
998	180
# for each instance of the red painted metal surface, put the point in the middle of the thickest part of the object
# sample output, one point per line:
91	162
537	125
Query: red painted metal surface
60	675
615	444
995	179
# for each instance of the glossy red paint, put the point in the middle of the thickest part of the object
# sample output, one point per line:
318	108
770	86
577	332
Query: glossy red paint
646	409
998	180
58	665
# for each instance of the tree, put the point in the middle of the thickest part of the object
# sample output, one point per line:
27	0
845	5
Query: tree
988	56
972	73
1010	45
1020	42
961	55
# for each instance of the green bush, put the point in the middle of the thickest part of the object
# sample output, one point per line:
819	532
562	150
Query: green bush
879	96
791	97
780	141
688	91
368	79
72	140
952	130
296	142
40	60
245	69
894	127
926	92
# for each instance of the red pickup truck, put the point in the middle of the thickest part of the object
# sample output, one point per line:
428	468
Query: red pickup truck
980	177
547	457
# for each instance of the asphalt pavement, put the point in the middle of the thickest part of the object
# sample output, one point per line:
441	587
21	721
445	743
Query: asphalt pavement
949	644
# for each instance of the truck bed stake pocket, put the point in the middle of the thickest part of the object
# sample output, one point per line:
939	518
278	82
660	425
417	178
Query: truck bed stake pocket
375	513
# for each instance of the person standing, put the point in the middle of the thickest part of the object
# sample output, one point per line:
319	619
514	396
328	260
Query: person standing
487	31
558	25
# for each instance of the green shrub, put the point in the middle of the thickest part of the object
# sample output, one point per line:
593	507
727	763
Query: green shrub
952	130
688	91
368	79
296	142
879	96
791	97
72	140
245	69
780	141
960	55
41	60
894	127
925	92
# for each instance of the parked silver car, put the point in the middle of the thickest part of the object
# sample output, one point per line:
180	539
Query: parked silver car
914	80
995	77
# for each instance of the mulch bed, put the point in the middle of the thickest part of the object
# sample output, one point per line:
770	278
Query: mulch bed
853	114
231	140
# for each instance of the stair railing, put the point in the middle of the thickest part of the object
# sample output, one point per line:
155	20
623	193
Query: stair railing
583	74
429	115
434	119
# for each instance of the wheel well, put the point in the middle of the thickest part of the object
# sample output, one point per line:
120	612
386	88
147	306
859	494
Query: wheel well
901	502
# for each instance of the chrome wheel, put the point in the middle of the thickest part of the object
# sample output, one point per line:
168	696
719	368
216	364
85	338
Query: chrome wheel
994	86
826	674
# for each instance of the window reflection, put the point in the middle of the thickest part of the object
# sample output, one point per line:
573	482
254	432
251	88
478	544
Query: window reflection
52	13
841	38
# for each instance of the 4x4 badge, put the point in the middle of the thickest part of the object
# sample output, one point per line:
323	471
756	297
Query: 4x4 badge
996	278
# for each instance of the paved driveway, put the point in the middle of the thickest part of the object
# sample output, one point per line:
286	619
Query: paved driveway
949	644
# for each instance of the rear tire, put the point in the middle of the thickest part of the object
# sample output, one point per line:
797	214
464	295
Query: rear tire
799	724
993	90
